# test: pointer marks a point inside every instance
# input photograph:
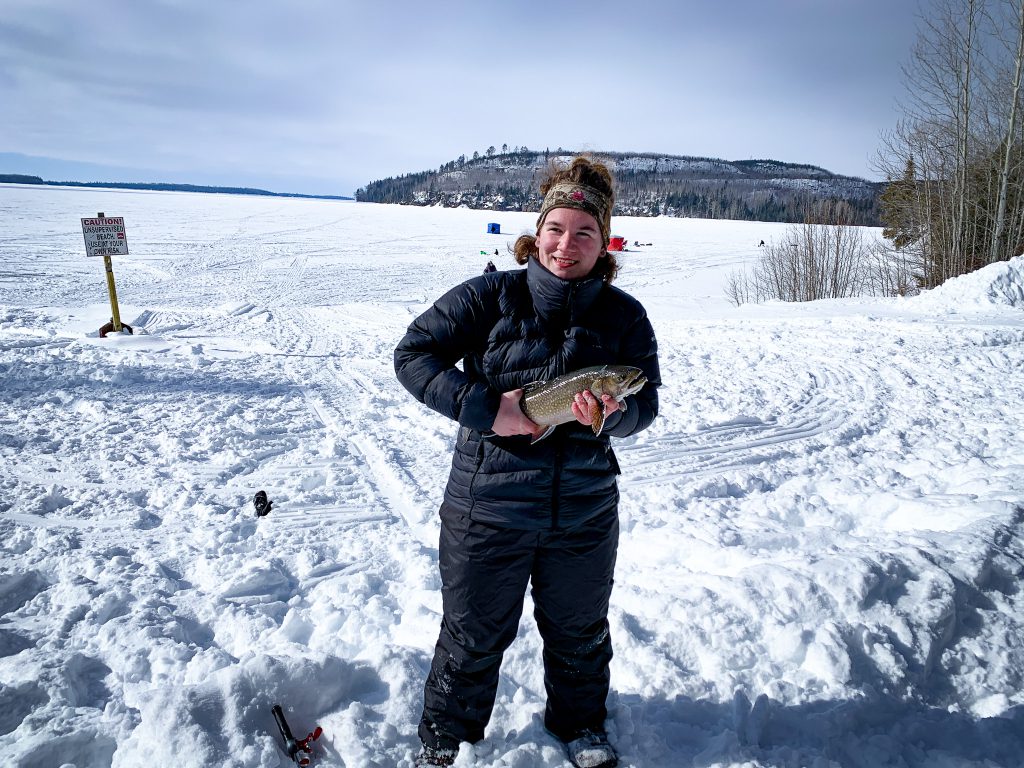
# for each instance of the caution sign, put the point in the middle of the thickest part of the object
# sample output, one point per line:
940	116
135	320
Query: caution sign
105	236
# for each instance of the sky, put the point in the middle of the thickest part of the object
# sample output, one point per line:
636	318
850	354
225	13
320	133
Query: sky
323	96
822	532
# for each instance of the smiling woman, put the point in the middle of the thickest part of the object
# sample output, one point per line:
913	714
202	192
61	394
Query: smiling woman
574	223
518	512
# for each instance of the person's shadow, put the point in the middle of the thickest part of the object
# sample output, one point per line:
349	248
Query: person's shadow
878	732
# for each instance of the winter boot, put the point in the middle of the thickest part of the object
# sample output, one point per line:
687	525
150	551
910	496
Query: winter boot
432	756
590	749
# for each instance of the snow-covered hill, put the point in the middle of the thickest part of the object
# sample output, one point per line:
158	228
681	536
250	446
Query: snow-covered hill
646	185
821	554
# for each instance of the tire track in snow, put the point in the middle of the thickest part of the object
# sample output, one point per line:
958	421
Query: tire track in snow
831	397
818	396
347	389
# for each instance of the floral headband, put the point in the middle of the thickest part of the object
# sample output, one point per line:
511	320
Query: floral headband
569	194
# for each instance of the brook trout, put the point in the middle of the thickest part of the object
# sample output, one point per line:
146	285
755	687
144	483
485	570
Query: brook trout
549	403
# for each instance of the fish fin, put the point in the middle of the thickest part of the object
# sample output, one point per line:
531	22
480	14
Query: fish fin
542	435
597	418
622	405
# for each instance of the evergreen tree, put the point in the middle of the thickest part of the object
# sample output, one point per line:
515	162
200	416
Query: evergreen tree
898	204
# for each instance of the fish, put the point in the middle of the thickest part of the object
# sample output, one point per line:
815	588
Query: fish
549	403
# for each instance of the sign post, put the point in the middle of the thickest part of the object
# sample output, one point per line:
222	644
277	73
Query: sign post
105	236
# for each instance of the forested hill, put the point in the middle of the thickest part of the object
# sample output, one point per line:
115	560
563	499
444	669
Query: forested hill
646	185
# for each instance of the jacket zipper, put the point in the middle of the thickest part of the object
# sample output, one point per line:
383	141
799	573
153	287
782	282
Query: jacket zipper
556	481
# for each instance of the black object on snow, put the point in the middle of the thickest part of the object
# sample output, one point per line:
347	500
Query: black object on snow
262	504
297	749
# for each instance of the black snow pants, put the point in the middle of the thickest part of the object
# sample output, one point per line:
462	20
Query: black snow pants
484	574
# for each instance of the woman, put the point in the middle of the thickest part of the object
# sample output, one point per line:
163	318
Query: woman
517	512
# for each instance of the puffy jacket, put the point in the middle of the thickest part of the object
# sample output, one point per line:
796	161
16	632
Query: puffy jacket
509	329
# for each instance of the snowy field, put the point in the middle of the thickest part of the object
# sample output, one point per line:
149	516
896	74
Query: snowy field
821	555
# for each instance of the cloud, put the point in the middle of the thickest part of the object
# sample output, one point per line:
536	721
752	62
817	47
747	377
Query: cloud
346	92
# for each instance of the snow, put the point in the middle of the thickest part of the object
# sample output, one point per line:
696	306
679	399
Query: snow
821	546
668	164
999	283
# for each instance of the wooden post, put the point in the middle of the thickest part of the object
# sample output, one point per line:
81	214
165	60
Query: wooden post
115	314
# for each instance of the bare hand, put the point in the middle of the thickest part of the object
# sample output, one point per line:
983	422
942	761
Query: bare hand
585	402
511	420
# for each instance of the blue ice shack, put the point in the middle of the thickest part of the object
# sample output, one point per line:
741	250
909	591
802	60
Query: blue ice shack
493	229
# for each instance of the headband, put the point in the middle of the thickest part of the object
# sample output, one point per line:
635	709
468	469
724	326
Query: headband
569	194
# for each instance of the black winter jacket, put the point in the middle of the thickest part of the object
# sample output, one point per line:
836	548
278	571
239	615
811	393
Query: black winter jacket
509	329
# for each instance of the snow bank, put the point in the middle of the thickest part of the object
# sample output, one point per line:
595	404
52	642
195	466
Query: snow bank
1001	283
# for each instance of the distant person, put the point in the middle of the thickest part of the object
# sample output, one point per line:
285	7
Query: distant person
761	244
495	251
518	513
490	267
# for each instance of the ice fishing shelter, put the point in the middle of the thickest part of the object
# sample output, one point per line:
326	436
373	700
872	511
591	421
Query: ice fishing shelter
616	243
493	229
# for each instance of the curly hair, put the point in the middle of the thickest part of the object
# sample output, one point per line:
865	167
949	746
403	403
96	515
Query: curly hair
581	170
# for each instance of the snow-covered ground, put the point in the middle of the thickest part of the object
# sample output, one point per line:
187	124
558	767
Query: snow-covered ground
821	556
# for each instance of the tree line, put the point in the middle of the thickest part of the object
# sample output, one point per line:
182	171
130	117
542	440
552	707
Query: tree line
158	186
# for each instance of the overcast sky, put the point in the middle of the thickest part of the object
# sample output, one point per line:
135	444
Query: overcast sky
323	96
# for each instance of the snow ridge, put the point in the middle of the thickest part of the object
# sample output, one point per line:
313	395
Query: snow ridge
1001	283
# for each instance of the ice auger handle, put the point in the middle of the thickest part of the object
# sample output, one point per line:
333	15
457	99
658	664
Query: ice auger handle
297	749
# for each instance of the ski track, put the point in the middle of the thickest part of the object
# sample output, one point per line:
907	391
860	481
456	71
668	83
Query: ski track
352	406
